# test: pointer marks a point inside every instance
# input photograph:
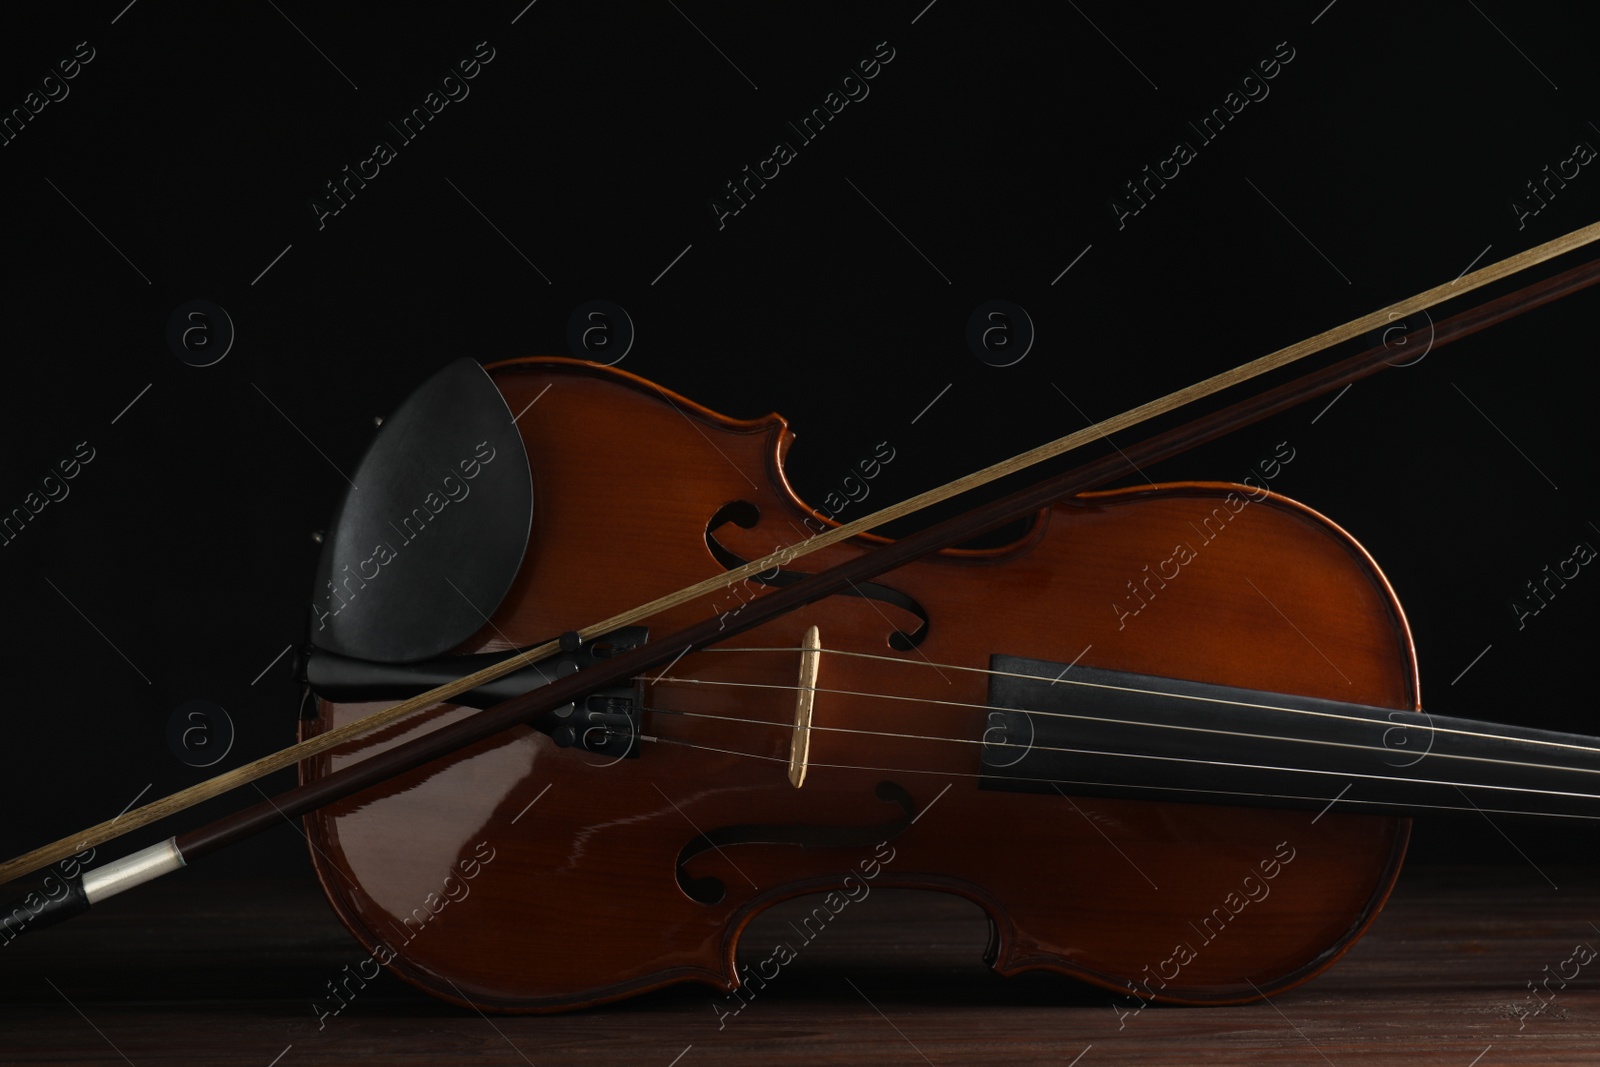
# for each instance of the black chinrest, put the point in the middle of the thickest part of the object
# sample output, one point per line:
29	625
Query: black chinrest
424	547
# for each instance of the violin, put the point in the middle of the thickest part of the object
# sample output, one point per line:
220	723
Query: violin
1167	737
1164	738
946	727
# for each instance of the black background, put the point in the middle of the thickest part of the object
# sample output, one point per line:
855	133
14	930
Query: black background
983	162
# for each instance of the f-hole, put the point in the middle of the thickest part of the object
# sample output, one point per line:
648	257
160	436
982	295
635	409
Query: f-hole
744	514
710	890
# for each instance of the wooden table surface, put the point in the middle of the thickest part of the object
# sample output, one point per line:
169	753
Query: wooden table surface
205	972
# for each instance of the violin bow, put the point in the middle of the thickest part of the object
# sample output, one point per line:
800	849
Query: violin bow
86	887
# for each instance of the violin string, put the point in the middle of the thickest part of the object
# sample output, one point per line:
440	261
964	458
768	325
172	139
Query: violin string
1135	723
1062	680
1093	784
1148	756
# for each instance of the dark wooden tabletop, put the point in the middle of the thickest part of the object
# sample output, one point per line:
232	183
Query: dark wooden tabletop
204	972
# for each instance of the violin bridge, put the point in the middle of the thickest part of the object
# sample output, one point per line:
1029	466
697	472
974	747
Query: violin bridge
805	697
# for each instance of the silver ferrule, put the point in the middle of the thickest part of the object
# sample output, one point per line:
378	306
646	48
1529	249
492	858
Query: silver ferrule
135	869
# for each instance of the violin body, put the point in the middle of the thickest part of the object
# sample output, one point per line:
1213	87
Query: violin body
517	875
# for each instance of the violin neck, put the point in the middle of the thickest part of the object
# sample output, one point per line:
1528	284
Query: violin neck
1107	733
